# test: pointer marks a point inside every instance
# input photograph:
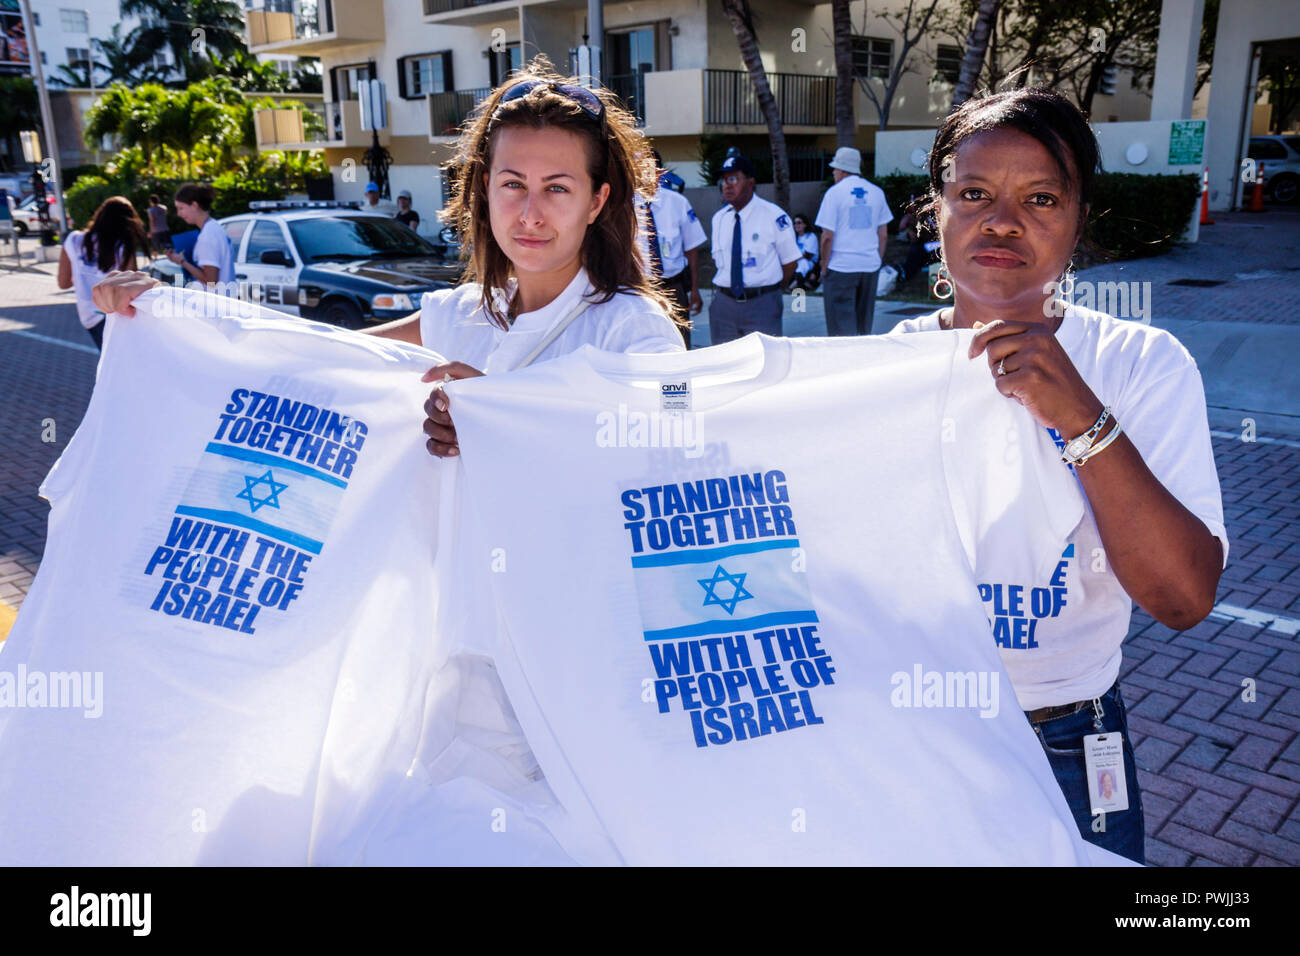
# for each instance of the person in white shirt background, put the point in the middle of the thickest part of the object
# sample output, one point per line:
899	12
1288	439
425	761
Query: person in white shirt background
672	237
1123	400
754	251
549	173
214	257
853	218
810	247
109	242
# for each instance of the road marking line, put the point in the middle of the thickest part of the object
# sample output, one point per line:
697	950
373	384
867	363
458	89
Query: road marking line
1266	619
53	341
1290	443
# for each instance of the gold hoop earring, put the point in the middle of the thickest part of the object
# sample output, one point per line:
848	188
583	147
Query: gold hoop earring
943	287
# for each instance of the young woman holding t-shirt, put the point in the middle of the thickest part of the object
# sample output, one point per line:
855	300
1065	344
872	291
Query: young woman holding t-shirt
546	175
1123	400
110	241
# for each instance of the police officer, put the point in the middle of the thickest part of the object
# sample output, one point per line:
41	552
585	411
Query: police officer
755	253
673	235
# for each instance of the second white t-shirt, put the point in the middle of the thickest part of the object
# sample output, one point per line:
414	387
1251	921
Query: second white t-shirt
736	636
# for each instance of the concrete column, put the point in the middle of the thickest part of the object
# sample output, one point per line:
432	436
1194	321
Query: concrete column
1175	79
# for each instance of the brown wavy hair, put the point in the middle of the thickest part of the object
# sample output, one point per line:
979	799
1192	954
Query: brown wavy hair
114	235
623	159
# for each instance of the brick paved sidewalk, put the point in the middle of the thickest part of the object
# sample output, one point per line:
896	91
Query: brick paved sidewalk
1220	775
1256	257
39	382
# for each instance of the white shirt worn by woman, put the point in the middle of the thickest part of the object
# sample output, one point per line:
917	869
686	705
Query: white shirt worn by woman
213	248
84	277
453	324
1060	639
807	243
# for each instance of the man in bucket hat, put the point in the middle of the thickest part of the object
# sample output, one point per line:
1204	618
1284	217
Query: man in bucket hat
853	218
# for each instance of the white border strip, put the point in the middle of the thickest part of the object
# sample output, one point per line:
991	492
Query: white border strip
1266	619
1289	442
53	341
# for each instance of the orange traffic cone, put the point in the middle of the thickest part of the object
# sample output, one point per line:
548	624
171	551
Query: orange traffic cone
1205	198
1257	194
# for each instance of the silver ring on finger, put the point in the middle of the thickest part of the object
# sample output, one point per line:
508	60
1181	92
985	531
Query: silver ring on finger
1001	367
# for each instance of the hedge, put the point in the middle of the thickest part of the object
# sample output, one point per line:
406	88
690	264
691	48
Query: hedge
1133	216
233	194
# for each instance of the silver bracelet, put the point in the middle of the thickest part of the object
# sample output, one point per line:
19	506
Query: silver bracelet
1114	433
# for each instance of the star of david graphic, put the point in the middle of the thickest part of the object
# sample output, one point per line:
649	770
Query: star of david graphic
270	498
737	582
857	192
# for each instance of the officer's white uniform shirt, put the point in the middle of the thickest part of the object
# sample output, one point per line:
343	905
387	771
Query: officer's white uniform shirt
854	209
626	323
767	243
677	226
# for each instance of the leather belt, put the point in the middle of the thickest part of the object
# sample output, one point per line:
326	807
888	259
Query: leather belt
749	293
1058	710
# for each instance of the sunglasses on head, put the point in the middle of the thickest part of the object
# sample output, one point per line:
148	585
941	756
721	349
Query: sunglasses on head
589	101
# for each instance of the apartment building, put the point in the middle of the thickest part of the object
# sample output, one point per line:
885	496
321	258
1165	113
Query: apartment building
676	63
65	30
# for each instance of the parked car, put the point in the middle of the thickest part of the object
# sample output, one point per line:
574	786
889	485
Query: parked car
26	217
1281	158
330	262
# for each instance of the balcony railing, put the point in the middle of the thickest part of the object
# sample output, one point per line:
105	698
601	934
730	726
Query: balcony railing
802	99
448	111
630	88
446	6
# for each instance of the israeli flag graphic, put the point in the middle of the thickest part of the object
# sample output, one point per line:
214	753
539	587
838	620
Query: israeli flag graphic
701	591
273	496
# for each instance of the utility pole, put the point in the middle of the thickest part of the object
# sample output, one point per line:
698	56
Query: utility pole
90	72
595	37
47	117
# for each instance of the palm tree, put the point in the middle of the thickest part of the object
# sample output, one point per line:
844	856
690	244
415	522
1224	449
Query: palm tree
172	24
124	59
841	30
130	116
249	73
977	45
741	16
189	117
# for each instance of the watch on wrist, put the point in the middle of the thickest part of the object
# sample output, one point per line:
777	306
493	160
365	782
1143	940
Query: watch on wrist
1076	449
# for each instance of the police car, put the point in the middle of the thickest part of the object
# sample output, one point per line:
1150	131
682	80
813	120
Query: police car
330	262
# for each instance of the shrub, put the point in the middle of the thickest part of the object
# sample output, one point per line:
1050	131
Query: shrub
1133	216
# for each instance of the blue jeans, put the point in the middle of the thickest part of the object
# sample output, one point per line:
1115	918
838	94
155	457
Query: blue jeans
1062	739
